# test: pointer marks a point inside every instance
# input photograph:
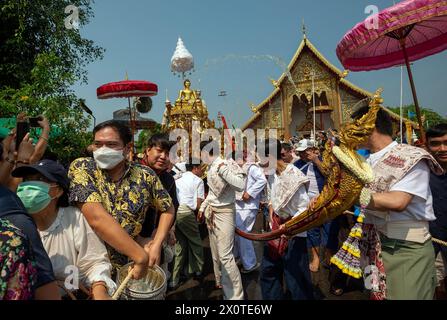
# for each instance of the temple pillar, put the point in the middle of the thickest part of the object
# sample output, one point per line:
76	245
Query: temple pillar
285	114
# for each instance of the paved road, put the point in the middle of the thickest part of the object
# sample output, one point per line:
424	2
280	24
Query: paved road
204	289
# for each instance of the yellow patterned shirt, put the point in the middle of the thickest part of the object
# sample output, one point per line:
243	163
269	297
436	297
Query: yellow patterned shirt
126	200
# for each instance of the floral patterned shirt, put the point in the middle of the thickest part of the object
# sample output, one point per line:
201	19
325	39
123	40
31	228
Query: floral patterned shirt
127	200
17	267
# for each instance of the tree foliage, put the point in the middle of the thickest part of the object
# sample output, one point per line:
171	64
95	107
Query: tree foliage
144	135
429	117
40	60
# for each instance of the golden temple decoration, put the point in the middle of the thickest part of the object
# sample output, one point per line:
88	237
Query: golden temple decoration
274	83
188	107
253	108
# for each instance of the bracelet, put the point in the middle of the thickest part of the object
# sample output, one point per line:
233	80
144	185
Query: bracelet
22	161
43	138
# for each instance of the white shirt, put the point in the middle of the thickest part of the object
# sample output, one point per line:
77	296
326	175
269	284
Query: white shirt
179	169
256	182
227	197
297	204
415	182
313	185
70	242
190	188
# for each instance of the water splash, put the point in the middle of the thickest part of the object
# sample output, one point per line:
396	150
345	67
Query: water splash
265	57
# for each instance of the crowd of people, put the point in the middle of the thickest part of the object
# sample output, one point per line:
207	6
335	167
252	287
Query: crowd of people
67	231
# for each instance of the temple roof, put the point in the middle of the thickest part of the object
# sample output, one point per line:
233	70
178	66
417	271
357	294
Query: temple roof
306	43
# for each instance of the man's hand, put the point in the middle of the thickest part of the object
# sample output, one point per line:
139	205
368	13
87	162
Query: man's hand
26	149
200	217
171	240
153	250
44	124
311	155
99	292
140	267
246	196
312	203
9	144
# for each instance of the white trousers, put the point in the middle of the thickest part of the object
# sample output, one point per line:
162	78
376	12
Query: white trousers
245	220
221	235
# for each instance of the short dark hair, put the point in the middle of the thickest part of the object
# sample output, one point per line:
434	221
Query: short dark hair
192	163
437	131
123	130
160	140
286	146
269	146
384	124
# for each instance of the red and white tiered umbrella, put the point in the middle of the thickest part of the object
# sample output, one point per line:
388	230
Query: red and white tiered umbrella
128	89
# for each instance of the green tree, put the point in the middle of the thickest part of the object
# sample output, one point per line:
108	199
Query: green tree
429	117
40	60
29	28
144	135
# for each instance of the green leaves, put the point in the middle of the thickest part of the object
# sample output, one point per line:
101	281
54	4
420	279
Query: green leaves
429	117
40	60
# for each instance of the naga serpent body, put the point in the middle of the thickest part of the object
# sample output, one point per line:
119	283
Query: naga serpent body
346	173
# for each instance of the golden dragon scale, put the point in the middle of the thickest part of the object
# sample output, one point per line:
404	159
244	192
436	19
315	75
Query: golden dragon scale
346	172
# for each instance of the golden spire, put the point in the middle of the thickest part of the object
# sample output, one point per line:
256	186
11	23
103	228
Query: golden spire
377	98
304	30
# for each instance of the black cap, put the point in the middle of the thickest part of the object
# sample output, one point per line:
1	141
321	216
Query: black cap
50	169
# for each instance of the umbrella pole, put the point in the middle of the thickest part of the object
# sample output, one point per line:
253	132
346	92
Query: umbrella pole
413	90
131	127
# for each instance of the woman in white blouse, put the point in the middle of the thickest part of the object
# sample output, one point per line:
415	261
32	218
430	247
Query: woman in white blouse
78	256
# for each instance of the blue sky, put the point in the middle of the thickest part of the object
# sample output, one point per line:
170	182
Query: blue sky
140	37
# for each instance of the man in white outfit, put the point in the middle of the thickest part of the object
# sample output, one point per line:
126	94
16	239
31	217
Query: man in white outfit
247	207
224	178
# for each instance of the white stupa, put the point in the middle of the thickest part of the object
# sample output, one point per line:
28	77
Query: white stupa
182	61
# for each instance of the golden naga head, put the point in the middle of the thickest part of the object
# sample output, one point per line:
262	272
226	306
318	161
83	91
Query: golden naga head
357	132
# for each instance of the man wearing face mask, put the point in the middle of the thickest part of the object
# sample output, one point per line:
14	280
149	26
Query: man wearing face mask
114	195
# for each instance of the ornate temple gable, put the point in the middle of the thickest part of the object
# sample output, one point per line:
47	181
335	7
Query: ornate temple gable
263	112
348	101
340	95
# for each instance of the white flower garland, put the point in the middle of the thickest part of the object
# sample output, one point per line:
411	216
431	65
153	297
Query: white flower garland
363	171
365	197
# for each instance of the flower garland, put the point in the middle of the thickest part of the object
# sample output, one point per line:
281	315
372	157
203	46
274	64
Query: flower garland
363	171
347	259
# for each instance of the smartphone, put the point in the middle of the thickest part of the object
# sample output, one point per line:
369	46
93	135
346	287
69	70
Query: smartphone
34	122
21	131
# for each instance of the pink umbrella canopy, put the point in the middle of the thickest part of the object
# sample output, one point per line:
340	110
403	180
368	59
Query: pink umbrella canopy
126	89
422	24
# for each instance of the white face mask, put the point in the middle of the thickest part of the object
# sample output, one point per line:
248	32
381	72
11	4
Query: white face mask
107	158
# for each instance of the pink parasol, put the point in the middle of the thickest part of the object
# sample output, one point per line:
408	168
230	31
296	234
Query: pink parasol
127	89
405	32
